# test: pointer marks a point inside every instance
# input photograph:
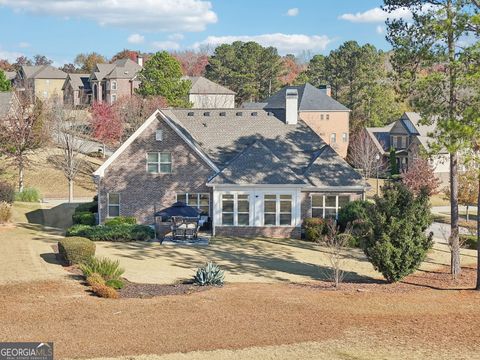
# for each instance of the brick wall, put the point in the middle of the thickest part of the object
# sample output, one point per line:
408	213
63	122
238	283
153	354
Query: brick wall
258	231
141	191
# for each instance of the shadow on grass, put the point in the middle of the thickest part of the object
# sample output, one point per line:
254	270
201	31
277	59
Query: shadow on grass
59	216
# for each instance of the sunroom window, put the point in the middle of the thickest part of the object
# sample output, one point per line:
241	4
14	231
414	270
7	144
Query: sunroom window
327	206
236	209
228	209
277	209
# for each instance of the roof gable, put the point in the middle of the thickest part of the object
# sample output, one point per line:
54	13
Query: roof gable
201	85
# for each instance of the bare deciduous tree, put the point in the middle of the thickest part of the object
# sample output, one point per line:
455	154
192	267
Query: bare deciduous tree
70	134
363	154
22	132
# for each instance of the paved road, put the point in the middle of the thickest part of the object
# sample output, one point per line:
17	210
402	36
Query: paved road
441	232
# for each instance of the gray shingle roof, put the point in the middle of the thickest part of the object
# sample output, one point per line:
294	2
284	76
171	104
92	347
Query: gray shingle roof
120	69
286	152
201	85
330	170
6	99
43	72
10	75
78	81
257	164
310	98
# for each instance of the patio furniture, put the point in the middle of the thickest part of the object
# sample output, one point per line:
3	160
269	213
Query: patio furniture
185	227
177	227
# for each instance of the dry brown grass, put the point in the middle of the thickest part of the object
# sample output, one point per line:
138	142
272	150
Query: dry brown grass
51	182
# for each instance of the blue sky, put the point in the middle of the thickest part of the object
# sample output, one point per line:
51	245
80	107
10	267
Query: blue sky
60	29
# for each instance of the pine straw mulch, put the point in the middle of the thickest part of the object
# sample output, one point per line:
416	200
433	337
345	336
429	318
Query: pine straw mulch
146	291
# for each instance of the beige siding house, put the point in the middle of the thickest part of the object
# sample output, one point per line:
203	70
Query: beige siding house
205	94
252	172
326	116
42	82
109	82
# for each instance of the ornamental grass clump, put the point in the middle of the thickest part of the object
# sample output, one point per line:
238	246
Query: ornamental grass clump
108	269
5	212
105	291
210	274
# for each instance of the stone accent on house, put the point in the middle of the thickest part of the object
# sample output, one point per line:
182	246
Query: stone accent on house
259	231
141	192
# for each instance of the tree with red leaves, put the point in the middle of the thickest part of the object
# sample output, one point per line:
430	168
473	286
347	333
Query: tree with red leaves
193	63
107	127
420	175
291	70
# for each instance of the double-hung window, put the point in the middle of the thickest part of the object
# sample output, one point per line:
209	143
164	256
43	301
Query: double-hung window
327	206
113	205
199	200
277	209
113	85
236	209
159	162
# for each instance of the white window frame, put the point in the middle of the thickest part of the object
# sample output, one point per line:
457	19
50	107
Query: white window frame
235	208
159	162
113	98
333	138
197	195
345	137
159	135
324	207
278	200
113	85
115	205
227	212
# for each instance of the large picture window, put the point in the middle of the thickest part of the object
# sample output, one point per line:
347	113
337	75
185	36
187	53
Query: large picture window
327	206
277	209
199	200
113	205
159	163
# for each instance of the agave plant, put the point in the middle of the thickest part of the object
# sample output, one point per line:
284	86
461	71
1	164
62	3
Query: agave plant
210	274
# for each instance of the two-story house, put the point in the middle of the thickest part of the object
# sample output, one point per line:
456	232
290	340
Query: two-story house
408	138
41	81
254	172
326	116
109	82
205	94
77	90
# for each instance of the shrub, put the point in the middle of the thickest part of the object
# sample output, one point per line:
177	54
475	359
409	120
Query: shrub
91	207
469	241
106	268
125	232
121	220
356	215
7	192
105	291
115	283
396	243
5	212
84	218
315	228
76	250
95	279
28	195
210	274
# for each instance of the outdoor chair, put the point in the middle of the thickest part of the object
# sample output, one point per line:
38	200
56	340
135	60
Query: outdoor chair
177	227
191	227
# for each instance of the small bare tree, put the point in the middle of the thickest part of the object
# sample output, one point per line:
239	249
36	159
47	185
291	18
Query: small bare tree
70	134
364	154
335	242
22	132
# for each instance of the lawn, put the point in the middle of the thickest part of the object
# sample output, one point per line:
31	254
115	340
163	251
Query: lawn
50	181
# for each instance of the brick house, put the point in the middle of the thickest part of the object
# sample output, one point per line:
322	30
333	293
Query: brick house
77	90
326	116
109	82
253	172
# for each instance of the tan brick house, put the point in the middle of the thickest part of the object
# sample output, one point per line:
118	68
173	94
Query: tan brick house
254	172
326	116
41	81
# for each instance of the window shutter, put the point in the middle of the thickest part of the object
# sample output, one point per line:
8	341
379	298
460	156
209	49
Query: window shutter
159	135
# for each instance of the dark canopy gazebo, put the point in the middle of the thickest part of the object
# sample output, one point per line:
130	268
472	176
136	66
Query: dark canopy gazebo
178	209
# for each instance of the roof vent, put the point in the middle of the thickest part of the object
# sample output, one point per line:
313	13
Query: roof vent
239	113
223	113
190	113
206	113
254	113
269	113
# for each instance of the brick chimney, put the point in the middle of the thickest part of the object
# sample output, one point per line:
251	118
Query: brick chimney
291	106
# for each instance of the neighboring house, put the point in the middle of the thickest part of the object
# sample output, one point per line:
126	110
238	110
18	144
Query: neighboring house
408	138
11	75
109	82
41	81
8	103
76	90
255	173
205	94
326	116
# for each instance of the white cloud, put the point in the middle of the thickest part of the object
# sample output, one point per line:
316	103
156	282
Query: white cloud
380	29
11	56
293	12
23	44
146	15
166	45
176	37
285	43
136	39
376	15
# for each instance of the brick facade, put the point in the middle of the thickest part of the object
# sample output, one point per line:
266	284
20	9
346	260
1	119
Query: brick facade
259	231
141	191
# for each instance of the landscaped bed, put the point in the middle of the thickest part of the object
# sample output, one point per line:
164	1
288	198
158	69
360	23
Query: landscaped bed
143	291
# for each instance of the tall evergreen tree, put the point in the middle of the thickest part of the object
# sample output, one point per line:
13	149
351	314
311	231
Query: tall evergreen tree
428	55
